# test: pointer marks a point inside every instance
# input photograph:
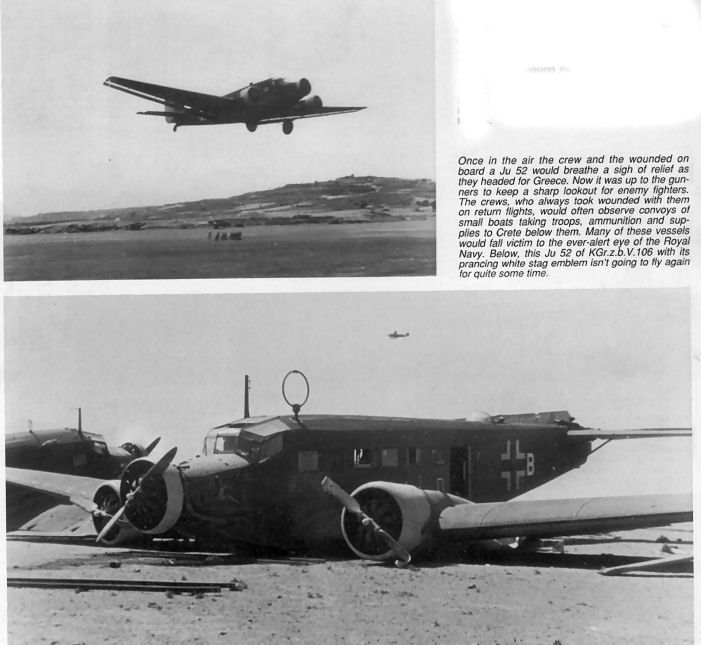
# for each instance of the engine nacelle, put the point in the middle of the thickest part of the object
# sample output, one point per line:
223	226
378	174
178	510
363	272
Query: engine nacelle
158	505
409	514
251	94
311	104
107	502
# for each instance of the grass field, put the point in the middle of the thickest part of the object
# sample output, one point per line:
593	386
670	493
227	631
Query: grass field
380	249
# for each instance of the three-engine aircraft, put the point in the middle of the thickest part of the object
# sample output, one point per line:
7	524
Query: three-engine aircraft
416	483
396	334
274	100
68	451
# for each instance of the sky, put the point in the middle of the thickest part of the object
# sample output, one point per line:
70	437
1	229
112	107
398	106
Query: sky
173	366
70	143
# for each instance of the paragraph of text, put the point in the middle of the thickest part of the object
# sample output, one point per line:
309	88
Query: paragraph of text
532	216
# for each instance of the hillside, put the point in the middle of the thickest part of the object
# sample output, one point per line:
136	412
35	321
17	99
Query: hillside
344	200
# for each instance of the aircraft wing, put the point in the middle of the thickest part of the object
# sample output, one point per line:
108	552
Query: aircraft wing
185	101
68	489
640	433
324	111
550	518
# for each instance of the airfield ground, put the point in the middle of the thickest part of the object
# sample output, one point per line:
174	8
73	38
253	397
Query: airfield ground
543	598
399	248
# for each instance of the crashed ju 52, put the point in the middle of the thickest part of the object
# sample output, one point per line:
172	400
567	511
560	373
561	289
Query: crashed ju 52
417	484
274	100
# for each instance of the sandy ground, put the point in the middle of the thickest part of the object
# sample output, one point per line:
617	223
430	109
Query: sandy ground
544	597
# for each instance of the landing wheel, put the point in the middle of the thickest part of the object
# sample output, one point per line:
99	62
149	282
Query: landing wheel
251	126
175	128
287	126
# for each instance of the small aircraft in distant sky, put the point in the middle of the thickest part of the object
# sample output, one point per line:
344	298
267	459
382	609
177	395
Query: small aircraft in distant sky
274	100
417	484
396	334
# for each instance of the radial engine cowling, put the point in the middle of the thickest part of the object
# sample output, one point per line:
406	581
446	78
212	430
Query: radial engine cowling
409	514
311	104
158	504
107	502
251	94
304	86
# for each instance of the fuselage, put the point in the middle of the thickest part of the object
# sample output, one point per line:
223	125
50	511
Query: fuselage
259	479
272	98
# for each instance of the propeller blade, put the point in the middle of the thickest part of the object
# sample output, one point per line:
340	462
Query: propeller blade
332	488
108	527
151	446
352	505
160	466
403	556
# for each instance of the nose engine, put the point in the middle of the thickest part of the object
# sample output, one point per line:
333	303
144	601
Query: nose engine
157	505
304	86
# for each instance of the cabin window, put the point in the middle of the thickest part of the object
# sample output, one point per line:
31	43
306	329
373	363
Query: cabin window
390	457
438	456
307	460
362	458
413	456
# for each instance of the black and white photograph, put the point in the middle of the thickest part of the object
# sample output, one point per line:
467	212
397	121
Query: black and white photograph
226	470
350	321
218	140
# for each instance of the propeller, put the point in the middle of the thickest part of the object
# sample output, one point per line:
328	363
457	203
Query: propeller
151	446
157	469
352	506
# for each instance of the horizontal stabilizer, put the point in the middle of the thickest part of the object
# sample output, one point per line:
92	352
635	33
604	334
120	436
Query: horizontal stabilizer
555	517
157	113
640	433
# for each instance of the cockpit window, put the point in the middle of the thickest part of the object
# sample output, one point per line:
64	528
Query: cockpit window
225	444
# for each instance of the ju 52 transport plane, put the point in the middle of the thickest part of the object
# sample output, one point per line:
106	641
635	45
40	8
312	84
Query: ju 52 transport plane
417	484
66	451
274	100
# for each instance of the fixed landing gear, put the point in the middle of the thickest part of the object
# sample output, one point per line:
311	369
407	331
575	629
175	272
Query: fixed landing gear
287	126
175	128
251	126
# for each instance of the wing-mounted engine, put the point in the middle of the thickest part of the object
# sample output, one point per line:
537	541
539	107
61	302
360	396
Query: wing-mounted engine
407	513
107	502
157	501
310	104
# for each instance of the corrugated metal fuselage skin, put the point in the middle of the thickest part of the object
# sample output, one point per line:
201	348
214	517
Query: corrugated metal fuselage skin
279	501
275	98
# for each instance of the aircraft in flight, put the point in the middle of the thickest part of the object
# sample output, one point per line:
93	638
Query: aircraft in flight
274	100
417	483
396	334
68	451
